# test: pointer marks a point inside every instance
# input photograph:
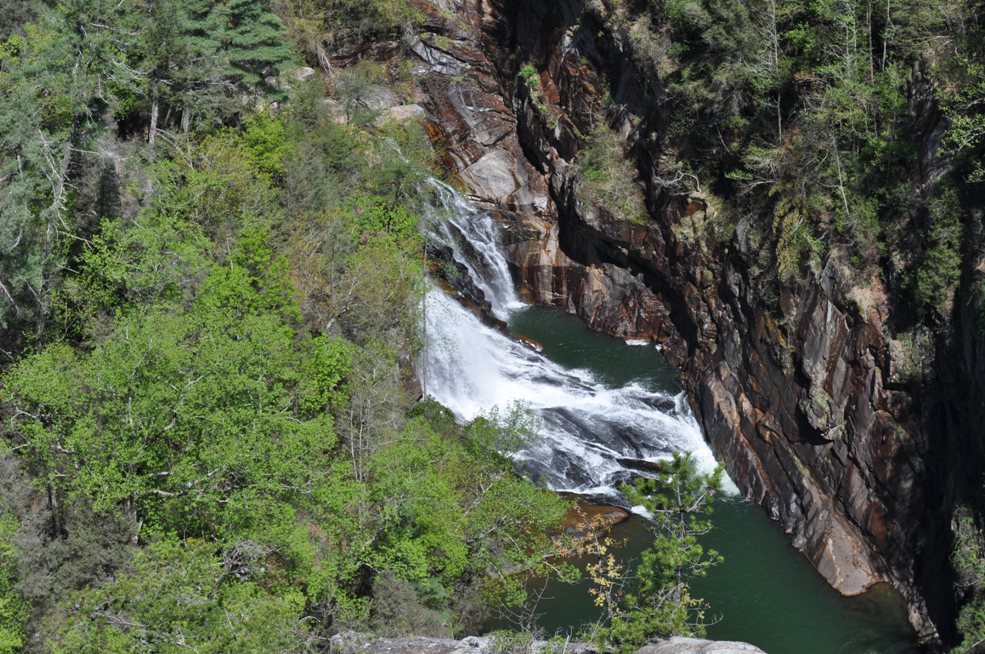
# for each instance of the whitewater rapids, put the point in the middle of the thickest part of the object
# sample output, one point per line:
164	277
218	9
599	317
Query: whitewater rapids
585	427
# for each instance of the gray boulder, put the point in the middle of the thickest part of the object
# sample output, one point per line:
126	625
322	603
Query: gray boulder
355	643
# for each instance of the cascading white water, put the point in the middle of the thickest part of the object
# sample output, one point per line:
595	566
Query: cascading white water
458	224
586	427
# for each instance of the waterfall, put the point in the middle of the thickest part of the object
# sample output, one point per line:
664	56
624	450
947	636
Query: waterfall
585	427
473	236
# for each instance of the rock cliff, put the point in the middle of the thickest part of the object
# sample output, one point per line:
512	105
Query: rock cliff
798	385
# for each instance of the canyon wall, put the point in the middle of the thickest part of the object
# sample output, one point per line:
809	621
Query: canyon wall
798	385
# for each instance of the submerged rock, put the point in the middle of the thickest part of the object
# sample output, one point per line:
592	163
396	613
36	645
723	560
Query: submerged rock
587	518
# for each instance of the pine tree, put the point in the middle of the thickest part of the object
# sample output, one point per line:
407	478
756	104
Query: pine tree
678	501
199	83
45	128
254	44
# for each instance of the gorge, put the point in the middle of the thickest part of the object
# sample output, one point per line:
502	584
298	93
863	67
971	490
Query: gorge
603	414
802	395
329	317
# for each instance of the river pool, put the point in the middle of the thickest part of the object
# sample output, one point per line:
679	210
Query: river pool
764	592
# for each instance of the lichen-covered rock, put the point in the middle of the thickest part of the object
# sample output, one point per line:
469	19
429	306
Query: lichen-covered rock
697	646
403	114
355	643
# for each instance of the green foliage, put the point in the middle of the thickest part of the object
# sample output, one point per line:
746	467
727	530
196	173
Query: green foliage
802	111
178	596
373	217
254	44
968	561
398	610
715	41
16	14
356	87
233	382
510	642
530	76
792	221
197	52
936	276
496	524
531	80
402	160
13	609
93	59
214	415
266	140
44	125
348	21
609	179
503	431
963	98
678	500
201	405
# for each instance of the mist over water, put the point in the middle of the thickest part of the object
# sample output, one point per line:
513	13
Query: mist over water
586	425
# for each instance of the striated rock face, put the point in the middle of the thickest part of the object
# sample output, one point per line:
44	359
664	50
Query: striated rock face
795	393
477	130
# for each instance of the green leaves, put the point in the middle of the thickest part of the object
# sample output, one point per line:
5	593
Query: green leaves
178	412
374	216
14	610
349	21
935	277
609	178
227	379
179	596
254	43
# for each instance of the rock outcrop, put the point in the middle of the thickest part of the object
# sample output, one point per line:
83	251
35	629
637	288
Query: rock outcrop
352	643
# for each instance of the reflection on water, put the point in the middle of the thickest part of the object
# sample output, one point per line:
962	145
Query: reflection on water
764	593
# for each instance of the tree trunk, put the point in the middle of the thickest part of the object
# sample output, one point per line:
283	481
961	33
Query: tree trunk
775	65
154	110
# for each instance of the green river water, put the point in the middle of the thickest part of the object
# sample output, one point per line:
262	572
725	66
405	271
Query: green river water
765	592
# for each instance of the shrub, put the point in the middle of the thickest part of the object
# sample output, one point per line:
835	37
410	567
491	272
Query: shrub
608	178
938	272
511	642
398	611
531	79
968	561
